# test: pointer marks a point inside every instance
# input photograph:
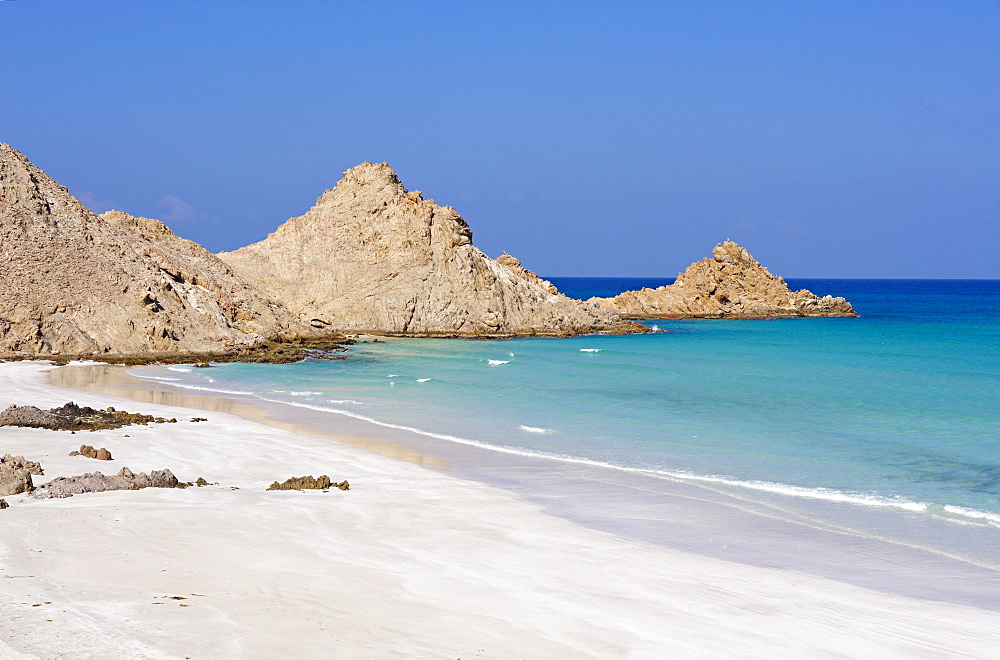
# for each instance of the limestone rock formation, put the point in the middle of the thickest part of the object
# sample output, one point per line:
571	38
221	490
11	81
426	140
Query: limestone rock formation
371	256
514	264
95	482
732	284
74	283
206	282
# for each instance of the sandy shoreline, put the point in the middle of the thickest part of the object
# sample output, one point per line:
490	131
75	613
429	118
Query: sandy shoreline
747	527
411	562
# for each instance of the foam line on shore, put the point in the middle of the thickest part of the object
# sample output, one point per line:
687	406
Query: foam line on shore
957	514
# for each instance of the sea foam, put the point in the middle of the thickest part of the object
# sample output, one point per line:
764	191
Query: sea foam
868	499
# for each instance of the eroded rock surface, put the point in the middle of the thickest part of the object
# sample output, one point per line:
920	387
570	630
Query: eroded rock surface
21	463
95	482
730	284
15	474
74	283
372	256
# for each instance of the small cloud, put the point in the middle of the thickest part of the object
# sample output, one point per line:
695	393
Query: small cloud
515	197
467	197
96	203
743	225
786	227
177	210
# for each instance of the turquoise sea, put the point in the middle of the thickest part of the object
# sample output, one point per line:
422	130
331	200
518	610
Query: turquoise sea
896	413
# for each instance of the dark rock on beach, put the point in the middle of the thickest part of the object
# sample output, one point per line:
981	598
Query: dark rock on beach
322	482
71	417
101	454
95	482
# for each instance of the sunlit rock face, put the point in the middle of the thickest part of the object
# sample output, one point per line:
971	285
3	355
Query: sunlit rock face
371	256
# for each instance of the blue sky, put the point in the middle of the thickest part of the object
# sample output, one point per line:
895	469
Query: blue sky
832	139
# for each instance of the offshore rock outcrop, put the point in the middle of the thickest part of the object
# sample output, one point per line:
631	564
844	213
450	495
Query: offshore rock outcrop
372	256
731	284
74	283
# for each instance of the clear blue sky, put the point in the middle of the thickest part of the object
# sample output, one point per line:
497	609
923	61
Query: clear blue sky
832	139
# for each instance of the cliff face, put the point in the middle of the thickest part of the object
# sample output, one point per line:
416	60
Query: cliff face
732	284
371	256
72	282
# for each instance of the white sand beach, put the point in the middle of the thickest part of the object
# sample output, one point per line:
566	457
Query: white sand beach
410	562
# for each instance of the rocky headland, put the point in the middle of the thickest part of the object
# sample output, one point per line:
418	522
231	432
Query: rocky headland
731	284
369	257
374	257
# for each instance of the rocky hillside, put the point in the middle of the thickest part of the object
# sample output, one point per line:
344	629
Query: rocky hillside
731	284
204	280
74	283
371	256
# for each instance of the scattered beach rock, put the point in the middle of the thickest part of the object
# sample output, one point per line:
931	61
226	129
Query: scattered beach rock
14	481
3	504
20	462
101	454
71	417
302	483
95	482
199	419
15	474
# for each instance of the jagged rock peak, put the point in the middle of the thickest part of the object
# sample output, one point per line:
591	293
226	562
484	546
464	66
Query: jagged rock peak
27	194
730	284
380	175
514	264
371	256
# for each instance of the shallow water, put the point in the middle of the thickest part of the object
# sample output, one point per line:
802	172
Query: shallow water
885	425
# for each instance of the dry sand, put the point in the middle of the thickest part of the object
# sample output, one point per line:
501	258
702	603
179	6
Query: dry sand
410	562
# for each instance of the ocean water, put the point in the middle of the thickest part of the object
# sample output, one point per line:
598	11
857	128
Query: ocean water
896	411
